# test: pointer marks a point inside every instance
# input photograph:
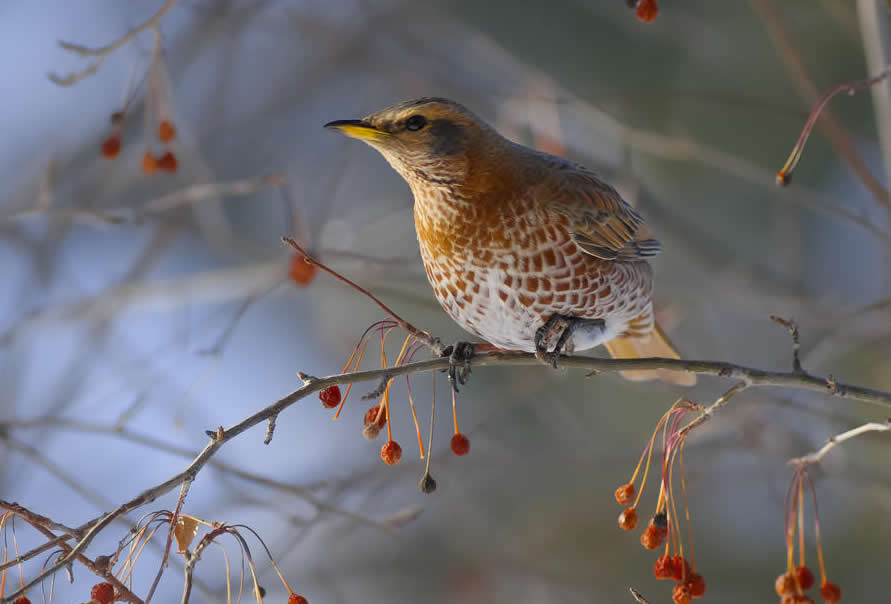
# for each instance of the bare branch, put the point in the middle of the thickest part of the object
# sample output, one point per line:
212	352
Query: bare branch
817	456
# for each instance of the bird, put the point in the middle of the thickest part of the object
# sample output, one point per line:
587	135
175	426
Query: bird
526	250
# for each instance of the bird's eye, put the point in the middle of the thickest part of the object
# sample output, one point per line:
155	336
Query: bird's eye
415	122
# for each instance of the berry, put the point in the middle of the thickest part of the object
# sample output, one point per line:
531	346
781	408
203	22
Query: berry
427	484
22	600
391	453
625	494
149	163
102	593
804	576
830	592
301	272
680	568
647	10
297	599
628	519
330	396
460	444
660	521
681	594
167	162
697	585
166	131
652	537
372	428
785	584
664	567
111	147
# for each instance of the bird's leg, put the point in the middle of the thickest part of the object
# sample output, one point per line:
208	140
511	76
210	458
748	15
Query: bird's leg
566	326
459	353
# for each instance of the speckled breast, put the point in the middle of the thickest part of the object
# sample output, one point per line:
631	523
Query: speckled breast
501	270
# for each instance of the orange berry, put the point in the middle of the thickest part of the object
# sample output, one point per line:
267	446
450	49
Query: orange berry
785	584
301	272
167	162
681	594
628	519
149	163
102	593
297	599
330	396
460	444
680	568
111	147
664	567
647	10
830	592
391	453
697	585
804	576
166	131
625	494
372	418
803	599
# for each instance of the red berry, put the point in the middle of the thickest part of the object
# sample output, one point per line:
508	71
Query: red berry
830	592
102	593
166	131
22	600
680	568
625	494
628	519
149	163
664	567
391	453
804	576
785	584
647	10
301	272
681	594
697	585
111	147
167	162
330	396
297	599
652	537
460	444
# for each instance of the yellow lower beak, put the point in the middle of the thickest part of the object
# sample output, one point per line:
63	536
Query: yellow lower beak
358	129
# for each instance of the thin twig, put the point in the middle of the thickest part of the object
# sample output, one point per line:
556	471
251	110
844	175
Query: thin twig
174	518
817	456
103	52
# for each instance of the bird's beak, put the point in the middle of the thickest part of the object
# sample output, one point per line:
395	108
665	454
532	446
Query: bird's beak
358	129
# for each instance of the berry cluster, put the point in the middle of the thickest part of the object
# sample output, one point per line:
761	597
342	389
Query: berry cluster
792	585
664	527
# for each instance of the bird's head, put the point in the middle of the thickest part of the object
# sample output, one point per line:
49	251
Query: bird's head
430	140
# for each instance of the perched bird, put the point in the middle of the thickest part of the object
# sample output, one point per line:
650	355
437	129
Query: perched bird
526	250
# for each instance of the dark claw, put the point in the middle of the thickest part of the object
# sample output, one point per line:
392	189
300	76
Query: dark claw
459	354
543	333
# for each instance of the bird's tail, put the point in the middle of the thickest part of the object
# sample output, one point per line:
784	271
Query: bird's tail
654	344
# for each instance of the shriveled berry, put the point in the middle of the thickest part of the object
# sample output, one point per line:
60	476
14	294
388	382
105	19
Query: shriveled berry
391	453
680	568
167	162
373	424
625	494
22	600
102	593
804	576
664	567
427	484
785	584
149	163
330	396
647	10
660	521
681	594
697	585
650	538
111	147
830	592
628	519
460	444
300	271
297	599
166	131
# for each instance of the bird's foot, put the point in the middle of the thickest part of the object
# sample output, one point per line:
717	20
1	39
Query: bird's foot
560	327
459	355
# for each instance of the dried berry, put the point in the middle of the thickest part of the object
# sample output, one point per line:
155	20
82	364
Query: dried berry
149	163
681	594
102	593
391	453
785	584
460	444
830	592
22	600
301	272
664	567
804	576
167	162
330	396
166	131
647	10
111	147
680	568
697	585
625	494
652	537
297	599
628	519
